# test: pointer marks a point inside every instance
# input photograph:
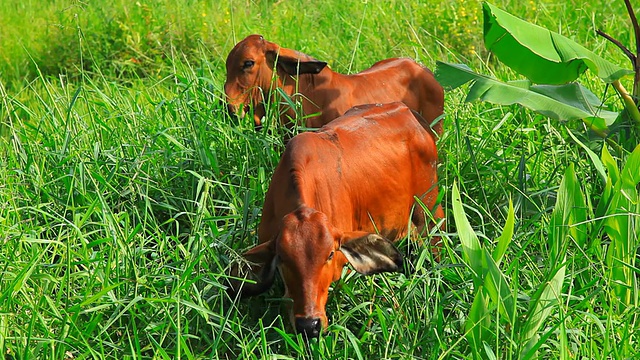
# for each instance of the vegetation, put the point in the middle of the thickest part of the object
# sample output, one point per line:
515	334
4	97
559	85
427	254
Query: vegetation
125	190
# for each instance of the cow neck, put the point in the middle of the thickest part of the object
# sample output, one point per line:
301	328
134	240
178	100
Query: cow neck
304	84
309	177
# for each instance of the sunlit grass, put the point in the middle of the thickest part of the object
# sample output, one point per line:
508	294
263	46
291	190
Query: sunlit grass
125	190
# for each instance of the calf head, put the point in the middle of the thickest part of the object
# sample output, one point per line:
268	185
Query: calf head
310	254
250	73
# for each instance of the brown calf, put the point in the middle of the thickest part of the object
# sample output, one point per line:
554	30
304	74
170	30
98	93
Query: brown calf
341	195
250	80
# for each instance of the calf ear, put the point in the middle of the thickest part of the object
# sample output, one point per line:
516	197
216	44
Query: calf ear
295	67
372	254
261	253
293	62
262	270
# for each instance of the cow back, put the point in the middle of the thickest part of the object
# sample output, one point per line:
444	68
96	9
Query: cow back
361	170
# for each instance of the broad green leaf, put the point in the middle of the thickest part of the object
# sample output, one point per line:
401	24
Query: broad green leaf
468	238
572	94
505	238
525	84
577	218
544	304
612	178
630	174
541	55
570	209
622	225
452	76
604	203
498	289
578	96
478	321
489	89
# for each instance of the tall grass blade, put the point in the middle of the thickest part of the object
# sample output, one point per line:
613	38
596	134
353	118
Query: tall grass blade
595	160
468	238
502	243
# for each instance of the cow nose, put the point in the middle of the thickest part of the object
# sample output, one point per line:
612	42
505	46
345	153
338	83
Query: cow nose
231	113
230	110
308	326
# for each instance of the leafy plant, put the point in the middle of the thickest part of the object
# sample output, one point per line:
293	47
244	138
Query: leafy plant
553	61
575	226
618	215
495	293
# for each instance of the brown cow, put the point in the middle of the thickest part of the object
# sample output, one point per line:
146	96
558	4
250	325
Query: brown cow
250	80
336	196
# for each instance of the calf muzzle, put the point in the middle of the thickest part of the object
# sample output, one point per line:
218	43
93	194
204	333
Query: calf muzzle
310	327
231	112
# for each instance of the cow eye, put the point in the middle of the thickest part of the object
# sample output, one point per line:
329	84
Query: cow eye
248	64
330	256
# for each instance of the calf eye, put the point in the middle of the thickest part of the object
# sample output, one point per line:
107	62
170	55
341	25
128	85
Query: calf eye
248	64
330	256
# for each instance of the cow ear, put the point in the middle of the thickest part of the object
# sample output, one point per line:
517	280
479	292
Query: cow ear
293	62
371	254
261	254
262	270
295	67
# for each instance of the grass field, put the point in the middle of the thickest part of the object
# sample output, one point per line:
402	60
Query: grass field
125	190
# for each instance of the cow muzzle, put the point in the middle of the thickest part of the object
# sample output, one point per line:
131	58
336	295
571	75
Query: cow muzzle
310	327
235	111
230	111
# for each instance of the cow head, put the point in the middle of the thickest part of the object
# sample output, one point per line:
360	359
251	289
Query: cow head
311	253
250	75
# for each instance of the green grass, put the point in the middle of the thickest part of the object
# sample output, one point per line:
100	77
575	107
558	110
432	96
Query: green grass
125	191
